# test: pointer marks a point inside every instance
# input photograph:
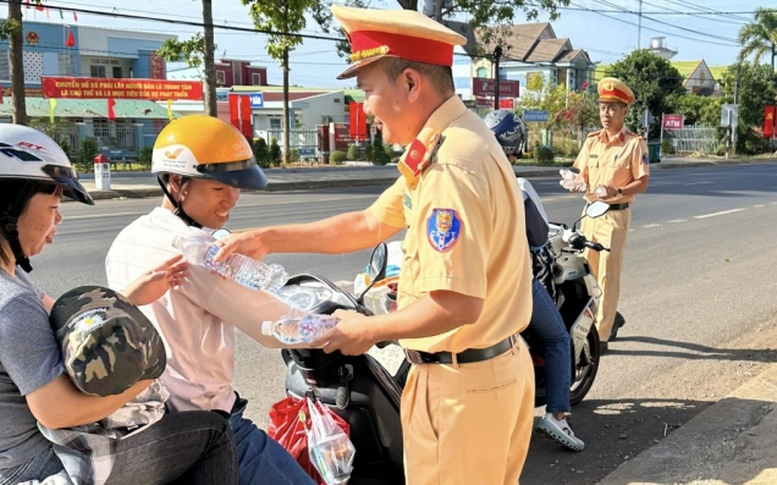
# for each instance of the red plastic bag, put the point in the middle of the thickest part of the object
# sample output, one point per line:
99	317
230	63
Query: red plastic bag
287	428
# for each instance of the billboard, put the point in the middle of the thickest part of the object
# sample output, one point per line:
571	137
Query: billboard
120	88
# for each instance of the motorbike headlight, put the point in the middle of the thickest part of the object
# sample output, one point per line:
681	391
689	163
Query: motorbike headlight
304	298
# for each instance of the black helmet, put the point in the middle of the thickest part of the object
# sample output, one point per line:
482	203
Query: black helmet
509	131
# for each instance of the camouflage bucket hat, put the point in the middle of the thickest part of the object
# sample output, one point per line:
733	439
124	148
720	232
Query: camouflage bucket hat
107	343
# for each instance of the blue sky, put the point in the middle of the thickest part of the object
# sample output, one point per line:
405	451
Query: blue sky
606	36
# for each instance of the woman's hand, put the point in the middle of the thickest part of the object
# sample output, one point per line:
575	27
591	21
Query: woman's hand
154	283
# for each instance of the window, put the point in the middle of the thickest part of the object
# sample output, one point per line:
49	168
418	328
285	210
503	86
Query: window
482	72
275	124
117	72
33	66
5	66
97	71
221	78
67	64
256	79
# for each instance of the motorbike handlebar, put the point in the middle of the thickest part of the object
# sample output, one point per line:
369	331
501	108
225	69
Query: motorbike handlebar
595	246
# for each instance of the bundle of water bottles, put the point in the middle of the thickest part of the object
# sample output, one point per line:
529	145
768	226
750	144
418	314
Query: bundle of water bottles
574	182
295	327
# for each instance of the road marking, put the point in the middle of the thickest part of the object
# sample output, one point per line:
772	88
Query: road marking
650	226
677	221
111	214
758	206
701	182
722	213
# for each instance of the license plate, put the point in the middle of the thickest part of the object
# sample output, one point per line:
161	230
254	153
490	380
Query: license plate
390	357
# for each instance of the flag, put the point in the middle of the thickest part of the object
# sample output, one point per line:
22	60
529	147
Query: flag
27	4
39	7
111	113
48	14
52	105
2	92
75	17
71	39
170	109
61	15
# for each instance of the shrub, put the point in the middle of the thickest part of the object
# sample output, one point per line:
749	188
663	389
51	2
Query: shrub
390	151
144	157
261	153
666	147
377	152
543	154
274	155
354	153
293	155
86	153
337	157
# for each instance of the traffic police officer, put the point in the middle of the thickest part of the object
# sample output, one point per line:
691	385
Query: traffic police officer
464	290
614	164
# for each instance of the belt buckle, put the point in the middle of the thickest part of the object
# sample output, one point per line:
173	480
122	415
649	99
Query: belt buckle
413	357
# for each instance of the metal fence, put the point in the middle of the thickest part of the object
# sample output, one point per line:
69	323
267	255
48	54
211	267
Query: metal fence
304	141
63	133
693	138
116	137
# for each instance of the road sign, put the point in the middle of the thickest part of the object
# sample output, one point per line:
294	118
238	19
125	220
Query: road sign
729	115
506	103
673	122
257	100
486	87
647	117
535	115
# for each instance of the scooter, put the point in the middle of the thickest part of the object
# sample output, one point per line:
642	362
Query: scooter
358	388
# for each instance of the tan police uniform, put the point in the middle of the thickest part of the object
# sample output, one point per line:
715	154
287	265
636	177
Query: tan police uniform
614	161
467	407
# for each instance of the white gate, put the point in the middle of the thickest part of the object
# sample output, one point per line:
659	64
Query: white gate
693	138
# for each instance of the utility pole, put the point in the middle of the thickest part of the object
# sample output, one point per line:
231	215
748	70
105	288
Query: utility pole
497	55
736	103
438	10
639	28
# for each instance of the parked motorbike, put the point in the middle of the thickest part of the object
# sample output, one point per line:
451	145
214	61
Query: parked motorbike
358	388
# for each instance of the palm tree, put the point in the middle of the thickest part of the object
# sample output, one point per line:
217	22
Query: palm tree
759	37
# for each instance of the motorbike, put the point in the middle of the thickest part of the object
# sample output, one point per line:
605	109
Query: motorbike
360	389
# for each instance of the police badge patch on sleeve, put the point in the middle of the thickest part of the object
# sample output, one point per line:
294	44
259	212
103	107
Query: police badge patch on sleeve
443	229
645	158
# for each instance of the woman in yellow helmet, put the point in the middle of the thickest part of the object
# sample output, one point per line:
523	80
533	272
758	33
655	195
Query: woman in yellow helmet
202	164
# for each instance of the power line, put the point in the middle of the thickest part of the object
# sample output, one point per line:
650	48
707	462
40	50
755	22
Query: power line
652	29
712	36
691	14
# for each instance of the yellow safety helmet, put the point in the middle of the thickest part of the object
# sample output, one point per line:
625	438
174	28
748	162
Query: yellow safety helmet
202	146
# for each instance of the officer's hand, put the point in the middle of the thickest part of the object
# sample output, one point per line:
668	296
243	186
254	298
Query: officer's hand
349	336
154	283
250	243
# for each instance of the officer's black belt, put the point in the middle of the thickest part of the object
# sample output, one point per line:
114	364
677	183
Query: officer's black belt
619	207
465	357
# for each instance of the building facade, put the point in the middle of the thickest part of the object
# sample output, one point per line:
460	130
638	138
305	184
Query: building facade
72	50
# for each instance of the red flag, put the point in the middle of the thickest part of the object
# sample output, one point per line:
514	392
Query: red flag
75	17
111	114
27	4
71	39
769	121
2	93
39	7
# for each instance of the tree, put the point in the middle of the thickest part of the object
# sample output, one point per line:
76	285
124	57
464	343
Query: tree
756	91
759	37
581	112
11	30
655	82
701	110
290	17
197	51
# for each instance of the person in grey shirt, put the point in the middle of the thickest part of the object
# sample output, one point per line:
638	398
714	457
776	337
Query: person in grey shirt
194	447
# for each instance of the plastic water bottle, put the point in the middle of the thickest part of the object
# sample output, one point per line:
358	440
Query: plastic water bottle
299	327
248	272
601	191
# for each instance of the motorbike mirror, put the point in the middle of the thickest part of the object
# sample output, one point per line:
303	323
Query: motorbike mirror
376	271
221	233
597	209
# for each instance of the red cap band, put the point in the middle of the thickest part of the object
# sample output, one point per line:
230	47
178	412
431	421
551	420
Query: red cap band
403	46
615	93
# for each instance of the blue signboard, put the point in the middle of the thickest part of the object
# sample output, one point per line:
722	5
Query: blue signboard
535	115
257	100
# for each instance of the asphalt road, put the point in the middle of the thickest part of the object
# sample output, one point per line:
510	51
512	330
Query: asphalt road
697	294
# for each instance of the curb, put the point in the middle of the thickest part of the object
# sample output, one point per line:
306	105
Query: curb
732	441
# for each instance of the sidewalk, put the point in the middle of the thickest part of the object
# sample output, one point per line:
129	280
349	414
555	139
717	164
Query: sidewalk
734	441
144	184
